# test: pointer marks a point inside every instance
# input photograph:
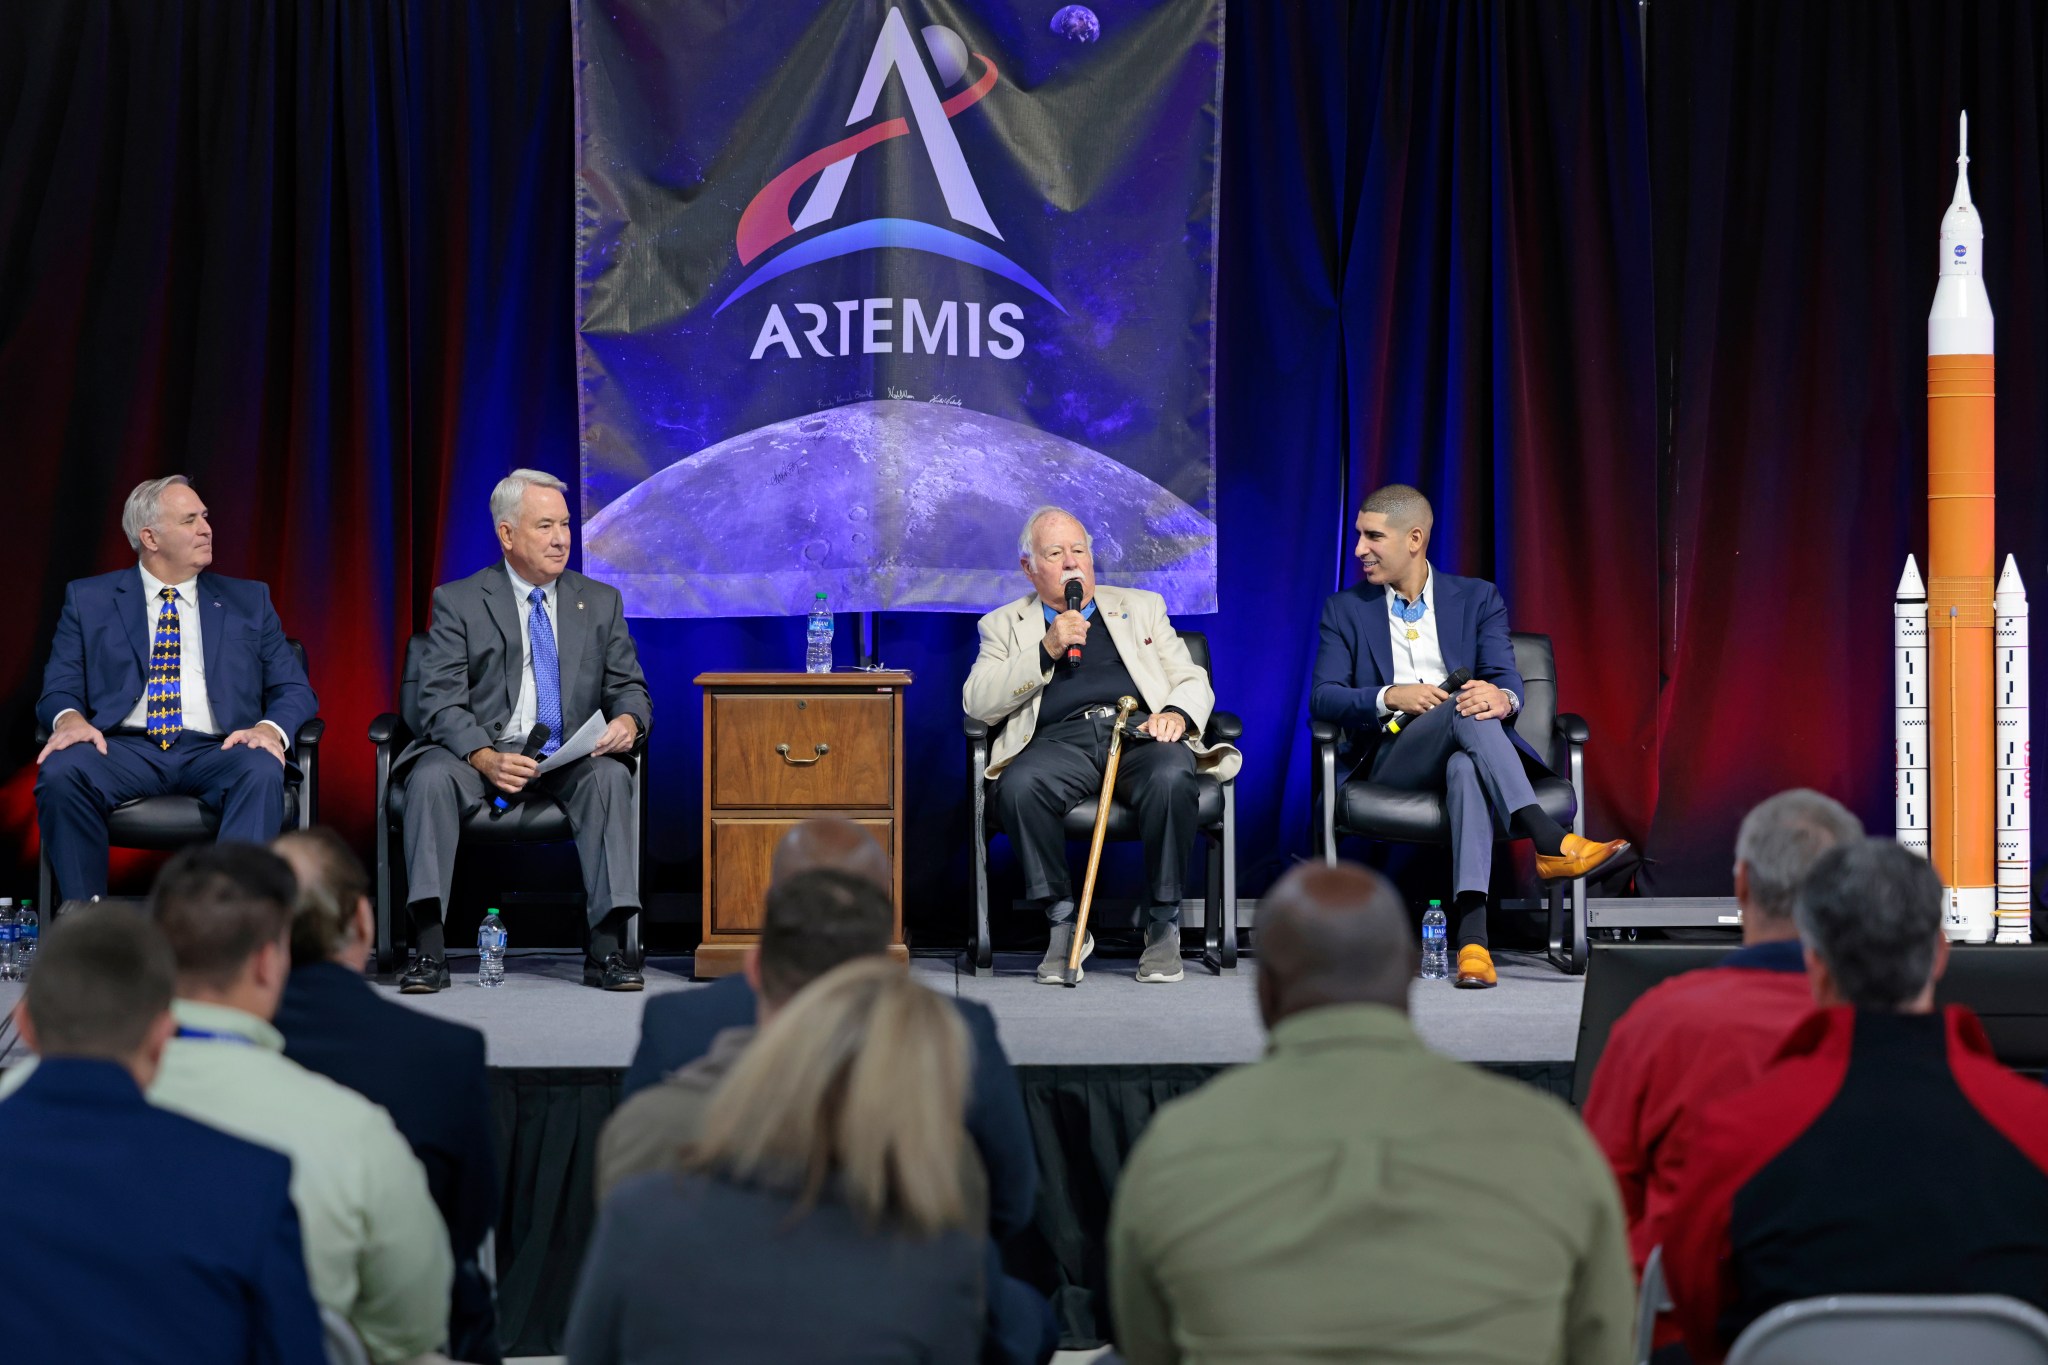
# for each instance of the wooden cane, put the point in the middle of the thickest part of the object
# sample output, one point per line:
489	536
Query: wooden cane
1124	707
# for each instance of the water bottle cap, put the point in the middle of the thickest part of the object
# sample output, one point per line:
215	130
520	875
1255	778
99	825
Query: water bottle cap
1436	905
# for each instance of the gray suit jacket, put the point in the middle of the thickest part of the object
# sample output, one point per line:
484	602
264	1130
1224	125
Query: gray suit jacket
469	677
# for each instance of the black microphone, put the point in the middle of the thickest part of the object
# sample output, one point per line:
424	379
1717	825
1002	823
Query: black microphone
536	740
1450	684
1073	604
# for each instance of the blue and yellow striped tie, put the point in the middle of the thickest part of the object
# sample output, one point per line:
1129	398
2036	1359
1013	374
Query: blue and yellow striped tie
166	711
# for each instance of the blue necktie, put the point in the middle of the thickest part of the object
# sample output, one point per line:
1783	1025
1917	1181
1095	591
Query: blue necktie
547	672
166	712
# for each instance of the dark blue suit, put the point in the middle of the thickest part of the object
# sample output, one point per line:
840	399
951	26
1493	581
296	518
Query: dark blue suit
98	667
428	1074
677	1029
1483	767
139	1235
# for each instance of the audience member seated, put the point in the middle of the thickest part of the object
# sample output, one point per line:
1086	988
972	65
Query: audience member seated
1703	1035
1883	1151
376	1251
1354	1196
427	1073
831	1209
814	921
132	1233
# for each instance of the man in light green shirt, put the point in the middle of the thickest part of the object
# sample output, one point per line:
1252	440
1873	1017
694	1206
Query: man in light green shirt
1355	1197
376	1250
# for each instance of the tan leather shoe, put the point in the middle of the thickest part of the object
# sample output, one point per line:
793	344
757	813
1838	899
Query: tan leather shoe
1580	857
1475	969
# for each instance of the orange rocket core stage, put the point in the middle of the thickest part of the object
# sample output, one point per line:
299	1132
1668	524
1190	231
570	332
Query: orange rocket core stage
1961	517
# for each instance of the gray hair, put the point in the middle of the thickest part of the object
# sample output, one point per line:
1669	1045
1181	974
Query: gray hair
1782	839
145	505
1402	505
1871	910
1027	547
511	489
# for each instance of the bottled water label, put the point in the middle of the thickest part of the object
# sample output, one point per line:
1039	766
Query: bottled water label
1435	954
490	951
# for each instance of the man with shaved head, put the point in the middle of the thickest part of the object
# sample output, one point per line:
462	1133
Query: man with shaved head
1385	1203
1388	643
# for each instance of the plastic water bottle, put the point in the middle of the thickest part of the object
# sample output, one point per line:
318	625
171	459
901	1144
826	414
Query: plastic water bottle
28	932
1436	956
818	638
10	969
490	951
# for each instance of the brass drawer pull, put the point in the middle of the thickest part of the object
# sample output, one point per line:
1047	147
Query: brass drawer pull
783	750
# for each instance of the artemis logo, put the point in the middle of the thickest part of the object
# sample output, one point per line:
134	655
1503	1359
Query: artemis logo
766	223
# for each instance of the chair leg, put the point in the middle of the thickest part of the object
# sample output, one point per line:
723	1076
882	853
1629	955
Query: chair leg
1326	818
1568	957
633	953
1222	959
981	949
46	889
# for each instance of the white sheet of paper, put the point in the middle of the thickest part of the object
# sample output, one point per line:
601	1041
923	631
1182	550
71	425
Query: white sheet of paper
577	745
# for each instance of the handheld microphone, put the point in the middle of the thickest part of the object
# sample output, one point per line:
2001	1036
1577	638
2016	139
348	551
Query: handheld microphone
1073	604
536	740
1450	684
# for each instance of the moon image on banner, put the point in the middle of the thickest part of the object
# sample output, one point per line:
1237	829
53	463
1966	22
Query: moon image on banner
885	504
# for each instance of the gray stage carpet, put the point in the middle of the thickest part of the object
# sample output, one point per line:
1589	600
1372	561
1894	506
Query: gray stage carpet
543	1016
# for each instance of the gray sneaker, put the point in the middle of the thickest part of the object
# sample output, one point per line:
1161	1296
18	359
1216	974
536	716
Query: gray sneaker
1052	970
1161	959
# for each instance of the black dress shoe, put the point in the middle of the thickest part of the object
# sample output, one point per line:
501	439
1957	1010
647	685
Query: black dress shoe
613	974
424	977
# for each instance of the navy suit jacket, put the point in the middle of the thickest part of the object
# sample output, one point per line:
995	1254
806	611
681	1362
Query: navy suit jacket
99	660
428	1074
140	1235
677	1029
1355	655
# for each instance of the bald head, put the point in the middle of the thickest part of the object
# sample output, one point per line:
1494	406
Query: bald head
1332	936
831	843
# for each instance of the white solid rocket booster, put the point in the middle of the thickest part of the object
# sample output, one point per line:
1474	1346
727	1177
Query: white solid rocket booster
2015	909
1909	710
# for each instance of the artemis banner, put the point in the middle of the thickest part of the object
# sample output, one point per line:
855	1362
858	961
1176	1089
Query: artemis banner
862	282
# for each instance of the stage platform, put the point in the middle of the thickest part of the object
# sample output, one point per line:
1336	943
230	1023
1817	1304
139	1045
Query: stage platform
543	1016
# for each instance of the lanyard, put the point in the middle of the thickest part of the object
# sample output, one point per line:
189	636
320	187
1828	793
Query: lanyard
212	1037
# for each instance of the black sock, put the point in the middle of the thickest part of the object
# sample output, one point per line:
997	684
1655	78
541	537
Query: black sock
608	935
1468	918
1539	829
428	931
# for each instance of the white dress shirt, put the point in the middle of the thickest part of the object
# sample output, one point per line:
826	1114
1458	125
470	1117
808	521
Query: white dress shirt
521	724
1420	660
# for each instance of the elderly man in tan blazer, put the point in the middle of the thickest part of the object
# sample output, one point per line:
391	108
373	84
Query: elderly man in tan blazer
1055	709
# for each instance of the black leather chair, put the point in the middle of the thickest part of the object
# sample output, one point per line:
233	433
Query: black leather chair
1407	817
162	823
1216	815
537	821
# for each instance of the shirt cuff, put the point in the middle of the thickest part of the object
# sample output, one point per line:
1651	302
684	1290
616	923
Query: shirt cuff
283	738
1379	702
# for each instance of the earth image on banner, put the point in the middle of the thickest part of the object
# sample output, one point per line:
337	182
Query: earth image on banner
901	492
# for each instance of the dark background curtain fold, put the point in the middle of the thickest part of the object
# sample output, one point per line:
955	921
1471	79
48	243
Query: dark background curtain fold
318	256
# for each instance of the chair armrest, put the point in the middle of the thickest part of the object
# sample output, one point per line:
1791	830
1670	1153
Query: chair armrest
385	728
974	729
1571	728
1323	731
310	734
1225	727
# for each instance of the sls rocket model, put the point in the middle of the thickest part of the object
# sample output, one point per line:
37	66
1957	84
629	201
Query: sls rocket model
2015	910
1961	505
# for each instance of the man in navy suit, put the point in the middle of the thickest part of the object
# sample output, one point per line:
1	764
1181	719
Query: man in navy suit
1386	645
427	1073
139	1234
164	678
678	1029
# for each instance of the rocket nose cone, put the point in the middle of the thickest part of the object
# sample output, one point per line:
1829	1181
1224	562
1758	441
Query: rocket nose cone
1909	581
2009	577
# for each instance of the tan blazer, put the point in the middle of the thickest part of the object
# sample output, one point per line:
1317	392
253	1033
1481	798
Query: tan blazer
1008	676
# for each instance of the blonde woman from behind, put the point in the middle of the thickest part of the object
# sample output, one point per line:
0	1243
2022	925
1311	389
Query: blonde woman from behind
832	1211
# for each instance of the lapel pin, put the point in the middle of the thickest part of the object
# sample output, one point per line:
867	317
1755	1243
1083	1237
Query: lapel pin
579	606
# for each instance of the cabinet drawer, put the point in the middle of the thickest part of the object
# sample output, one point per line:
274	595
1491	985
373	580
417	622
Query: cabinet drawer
741	852
856	769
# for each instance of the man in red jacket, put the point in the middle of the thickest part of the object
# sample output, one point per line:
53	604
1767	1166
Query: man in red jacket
1706	1034
1884	1151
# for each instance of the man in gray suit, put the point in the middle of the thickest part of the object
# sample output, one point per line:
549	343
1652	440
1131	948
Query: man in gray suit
522	642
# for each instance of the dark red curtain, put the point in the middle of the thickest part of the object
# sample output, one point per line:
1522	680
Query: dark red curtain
1803	156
